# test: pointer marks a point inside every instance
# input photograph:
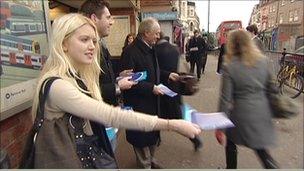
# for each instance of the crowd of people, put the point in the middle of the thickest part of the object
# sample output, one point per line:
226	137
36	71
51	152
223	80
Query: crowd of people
87	87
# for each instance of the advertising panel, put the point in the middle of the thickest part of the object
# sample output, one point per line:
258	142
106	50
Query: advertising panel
24	46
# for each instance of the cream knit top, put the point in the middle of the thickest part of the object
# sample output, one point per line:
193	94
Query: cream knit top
64	97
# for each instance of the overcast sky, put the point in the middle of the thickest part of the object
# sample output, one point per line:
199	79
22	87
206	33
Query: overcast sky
223	10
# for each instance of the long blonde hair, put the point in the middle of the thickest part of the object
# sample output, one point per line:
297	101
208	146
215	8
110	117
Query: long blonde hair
60	65
240	45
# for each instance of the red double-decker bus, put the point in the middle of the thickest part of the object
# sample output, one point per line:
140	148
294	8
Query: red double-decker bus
224	28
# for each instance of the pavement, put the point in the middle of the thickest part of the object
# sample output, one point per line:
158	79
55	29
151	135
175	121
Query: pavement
176	151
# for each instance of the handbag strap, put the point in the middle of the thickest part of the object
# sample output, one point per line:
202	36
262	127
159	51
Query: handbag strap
43	93
76	122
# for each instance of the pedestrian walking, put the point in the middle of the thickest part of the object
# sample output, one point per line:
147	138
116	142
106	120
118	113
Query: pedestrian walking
221	59
76	94
204	53
144	96
196	48
253	29
243	98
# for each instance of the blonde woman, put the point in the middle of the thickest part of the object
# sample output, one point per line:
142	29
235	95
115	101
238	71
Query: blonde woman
73	58
243	98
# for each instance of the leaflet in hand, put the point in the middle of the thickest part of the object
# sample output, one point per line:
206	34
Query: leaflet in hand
194	49
210	121
137	76
166	90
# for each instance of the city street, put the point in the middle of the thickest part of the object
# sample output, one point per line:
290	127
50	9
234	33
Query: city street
176	151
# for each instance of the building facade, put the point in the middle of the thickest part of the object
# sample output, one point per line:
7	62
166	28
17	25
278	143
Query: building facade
280	23
164	12
193	20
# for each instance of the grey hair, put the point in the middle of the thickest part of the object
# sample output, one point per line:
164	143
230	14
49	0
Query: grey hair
147	25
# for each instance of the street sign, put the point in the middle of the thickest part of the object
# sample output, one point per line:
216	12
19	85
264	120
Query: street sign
161	16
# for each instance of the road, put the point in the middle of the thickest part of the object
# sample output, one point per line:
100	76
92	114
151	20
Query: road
176	151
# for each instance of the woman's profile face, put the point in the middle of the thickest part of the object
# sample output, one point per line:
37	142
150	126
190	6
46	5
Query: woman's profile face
81	45
130	39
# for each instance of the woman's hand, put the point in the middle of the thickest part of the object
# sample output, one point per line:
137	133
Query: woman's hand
183	127
220	137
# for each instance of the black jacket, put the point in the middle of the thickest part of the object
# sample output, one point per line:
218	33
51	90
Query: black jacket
107	86
139	57
200	43
168	58
107	78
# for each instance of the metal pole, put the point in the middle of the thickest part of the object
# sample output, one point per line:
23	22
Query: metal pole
208	16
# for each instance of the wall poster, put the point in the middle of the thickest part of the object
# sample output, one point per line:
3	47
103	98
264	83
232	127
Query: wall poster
24	46
119	31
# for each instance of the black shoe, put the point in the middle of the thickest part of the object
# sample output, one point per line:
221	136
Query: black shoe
156	166
197	143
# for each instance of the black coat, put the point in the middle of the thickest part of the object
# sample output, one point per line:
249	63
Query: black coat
168	58
200	43
139	57
107	86
107	78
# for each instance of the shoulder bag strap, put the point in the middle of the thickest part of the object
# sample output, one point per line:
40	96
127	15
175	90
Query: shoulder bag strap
43	93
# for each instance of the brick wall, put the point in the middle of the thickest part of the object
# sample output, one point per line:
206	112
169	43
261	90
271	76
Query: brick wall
13	134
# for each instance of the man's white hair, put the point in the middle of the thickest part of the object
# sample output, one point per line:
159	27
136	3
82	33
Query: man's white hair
148	24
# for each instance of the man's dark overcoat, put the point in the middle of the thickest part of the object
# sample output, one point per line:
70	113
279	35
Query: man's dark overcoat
140	57
168	58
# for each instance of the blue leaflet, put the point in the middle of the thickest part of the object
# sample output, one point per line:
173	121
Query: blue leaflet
206	121
139	76
111	132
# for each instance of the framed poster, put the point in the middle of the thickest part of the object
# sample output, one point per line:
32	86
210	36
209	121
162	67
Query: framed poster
24	49
119	31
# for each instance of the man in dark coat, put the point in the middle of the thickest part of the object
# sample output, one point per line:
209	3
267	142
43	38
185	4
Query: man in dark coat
99	13
196	47
144	96
221	59
204	53
168	59
253	29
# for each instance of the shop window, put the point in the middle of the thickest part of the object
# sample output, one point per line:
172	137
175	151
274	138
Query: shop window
191	12
295	17
281	18
291	16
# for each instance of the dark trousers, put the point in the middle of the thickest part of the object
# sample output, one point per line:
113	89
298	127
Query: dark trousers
219	64
204	61
264	156
198	62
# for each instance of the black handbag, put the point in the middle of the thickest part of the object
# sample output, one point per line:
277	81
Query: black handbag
91	155
187	85
62	143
